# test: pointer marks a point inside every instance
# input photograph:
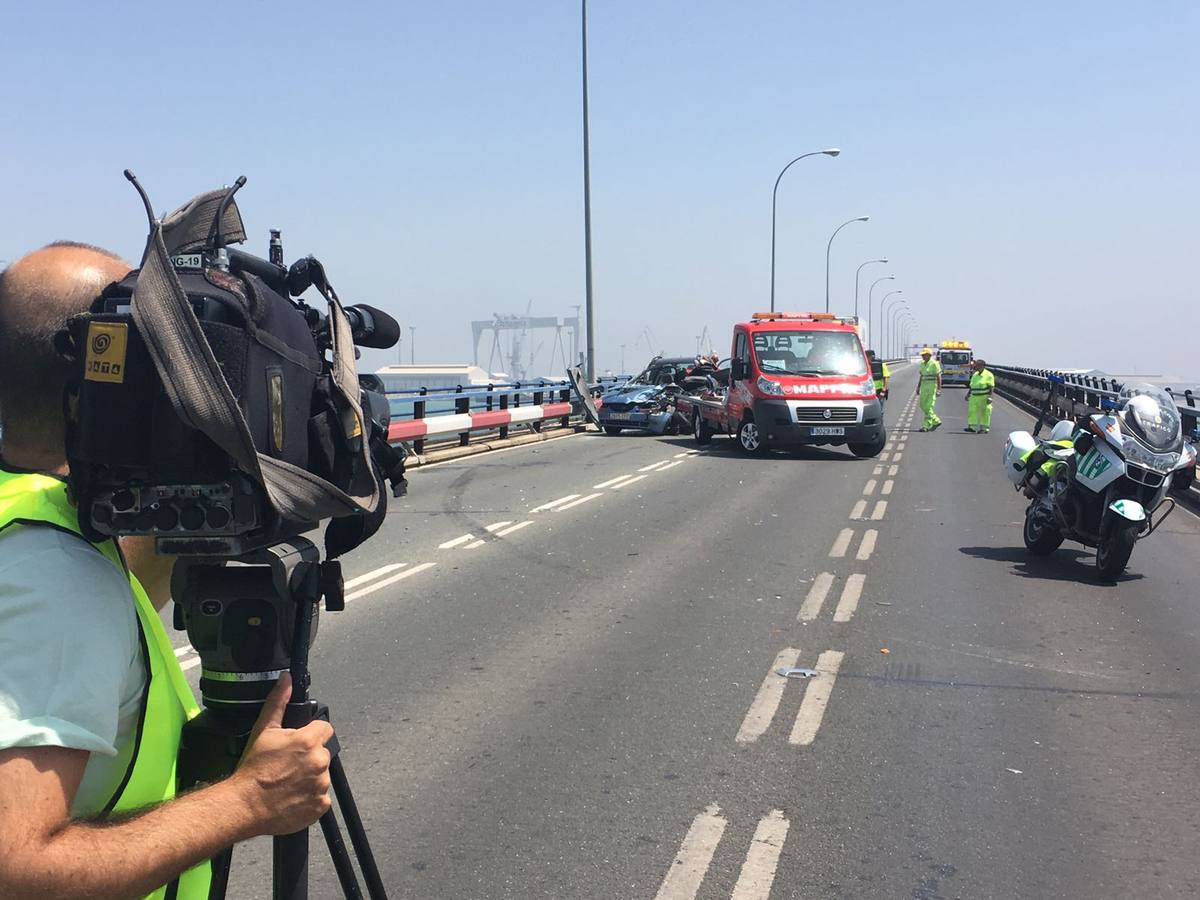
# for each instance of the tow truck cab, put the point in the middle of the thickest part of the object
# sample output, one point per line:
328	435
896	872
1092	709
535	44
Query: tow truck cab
803	378
955	357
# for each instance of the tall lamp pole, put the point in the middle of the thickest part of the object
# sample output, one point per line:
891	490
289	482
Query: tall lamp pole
857	273
412	344
909	324
870	295
587	215
832	151
893	314
829	247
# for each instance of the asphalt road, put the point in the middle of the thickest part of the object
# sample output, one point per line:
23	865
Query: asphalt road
585	705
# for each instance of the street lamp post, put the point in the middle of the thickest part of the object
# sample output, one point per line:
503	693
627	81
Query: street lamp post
909	324
885	313
587	215
893	314
412	344
857	273
829	247
870	294
881	328
901	319
832	151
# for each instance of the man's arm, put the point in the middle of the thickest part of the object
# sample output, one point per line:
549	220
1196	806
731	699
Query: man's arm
152	571
281	786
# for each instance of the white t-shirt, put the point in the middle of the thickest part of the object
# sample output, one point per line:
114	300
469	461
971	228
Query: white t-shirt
71	668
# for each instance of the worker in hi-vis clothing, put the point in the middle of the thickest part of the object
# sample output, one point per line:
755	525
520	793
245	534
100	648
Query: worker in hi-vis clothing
929	388
979	398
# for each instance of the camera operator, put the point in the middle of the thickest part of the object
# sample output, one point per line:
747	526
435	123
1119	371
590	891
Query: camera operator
91	696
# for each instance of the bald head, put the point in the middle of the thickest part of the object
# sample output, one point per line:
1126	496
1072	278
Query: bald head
38	293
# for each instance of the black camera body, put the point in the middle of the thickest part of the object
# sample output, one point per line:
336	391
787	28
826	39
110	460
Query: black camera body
141	465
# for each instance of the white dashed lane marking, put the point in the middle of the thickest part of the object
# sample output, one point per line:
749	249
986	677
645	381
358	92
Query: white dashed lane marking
816	699
887	487
511	528
880	509
766	701
811	607
554	503
695	854
611	482
461	539
575	503
842	544
867	547
860	509
869	487
849	600
625	484
758	871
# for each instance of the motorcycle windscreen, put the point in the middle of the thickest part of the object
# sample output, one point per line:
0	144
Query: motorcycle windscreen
586	400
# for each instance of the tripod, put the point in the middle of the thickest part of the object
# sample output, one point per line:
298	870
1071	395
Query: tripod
279	585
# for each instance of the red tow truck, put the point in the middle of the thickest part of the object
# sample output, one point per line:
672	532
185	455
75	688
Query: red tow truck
794	379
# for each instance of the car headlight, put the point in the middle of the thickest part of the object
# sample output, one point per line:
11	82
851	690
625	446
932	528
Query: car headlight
767	386
867	389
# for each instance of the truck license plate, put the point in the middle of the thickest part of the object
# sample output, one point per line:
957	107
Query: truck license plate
829	430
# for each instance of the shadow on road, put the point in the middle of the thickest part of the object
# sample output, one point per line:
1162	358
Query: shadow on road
1064	564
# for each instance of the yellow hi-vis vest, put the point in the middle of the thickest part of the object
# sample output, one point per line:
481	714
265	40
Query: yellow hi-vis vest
929	372
982	383
41	500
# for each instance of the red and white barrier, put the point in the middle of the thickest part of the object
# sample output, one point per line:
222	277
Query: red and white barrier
458	423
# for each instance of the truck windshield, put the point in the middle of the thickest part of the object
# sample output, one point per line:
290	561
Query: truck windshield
809	353
955	357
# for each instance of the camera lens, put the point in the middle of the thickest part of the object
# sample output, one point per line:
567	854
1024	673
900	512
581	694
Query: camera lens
192	518
166	518
122	500
218	517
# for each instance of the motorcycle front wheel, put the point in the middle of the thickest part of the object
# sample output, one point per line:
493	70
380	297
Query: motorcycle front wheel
1041	538
1112	556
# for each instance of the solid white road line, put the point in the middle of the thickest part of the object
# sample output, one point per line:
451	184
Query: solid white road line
758	871
371	576
400	576
816	698
610	482
811	607
695	854
880	509
633	479
496	526
511	528
661	464
766	701
849	599
554	503
461	539
887	487
860	508
867	547
566	506
869	487
474	544
842	544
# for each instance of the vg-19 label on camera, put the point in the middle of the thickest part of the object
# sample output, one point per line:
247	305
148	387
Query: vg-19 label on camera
106	343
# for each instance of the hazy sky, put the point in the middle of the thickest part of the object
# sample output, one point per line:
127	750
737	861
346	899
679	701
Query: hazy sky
1030	168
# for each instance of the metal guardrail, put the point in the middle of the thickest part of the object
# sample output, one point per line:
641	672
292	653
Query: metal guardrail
1080	394
456	414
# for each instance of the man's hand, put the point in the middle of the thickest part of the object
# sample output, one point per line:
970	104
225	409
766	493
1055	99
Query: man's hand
284	773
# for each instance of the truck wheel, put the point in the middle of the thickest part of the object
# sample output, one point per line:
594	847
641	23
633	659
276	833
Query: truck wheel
874	448
700	429
1112	556
750	439
611	429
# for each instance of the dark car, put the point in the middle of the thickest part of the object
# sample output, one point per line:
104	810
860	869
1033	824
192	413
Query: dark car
642	403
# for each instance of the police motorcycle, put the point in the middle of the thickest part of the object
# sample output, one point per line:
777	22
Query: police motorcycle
1101	481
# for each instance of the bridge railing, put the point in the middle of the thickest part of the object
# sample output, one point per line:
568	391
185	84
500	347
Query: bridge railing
1083	394
458	414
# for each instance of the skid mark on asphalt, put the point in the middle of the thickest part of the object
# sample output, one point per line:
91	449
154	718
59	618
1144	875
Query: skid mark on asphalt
691	863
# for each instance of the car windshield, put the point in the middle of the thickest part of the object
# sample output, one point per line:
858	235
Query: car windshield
955	357
809	353
660	374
